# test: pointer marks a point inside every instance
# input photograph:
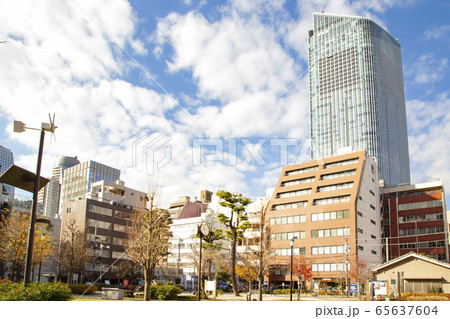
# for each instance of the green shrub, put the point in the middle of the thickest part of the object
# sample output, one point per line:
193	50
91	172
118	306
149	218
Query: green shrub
168	292
284	291
49	291
80	289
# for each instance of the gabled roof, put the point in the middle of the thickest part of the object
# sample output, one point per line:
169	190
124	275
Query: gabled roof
191	210
411	254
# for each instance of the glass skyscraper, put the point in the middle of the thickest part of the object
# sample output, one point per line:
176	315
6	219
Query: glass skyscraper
357	98
6	160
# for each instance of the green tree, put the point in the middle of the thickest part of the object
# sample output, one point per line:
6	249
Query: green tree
236	223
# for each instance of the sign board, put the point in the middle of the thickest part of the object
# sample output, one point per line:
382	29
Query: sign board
377	288
126	282
210	285
380	287
353	288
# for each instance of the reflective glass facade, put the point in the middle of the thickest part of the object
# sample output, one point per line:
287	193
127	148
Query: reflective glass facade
356	93
6	160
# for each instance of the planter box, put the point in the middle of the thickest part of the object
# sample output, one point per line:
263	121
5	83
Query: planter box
112	293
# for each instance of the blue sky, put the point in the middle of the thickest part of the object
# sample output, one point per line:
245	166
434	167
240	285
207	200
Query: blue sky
217	90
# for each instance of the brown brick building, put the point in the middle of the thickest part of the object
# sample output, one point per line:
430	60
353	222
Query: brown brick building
414	219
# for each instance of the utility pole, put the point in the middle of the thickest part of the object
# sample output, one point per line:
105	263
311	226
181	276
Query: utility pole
387	249
346	263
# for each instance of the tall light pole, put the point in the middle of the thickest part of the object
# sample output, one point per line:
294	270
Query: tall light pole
346	263
292	261
179	257
20	127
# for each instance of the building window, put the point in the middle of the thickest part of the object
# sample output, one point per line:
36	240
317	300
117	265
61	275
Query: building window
335	187
419	205
100	210
287	251
332	200
288	220
338	174
122	215
289	205
294	193
288	236
328	250
298	181
301	170
329	267
122	228
339	214
419	218
421	231
330	232
99	224
341	163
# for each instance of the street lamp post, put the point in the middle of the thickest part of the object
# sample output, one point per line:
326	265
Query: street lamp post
20	127
292	260
179	257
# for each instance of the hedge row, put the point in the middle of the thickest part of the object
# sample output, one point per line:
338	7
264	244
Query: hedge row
49	291
85	289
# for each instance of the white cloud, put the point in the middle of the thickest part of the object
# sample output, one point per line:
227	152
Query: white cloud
438	33
67	58
427	69
429	147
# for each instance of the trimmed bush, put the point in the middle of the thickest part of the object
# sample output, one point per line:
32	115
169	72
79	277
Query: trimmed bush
80	289
168	292
164	292
409	296
49	291
284	291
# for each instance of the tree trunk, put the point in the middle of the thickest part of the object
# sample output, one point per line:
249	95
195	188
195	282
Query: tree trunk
233	262
260	285
147	281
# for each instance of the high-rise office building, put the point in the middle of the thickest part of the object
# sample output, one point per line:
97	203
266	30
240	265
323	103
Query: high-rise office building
48	196
6	160
357	98
78	179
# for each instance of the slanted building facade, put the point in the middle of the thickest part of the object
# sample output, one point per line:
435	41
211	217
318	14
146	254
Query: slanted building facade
330	210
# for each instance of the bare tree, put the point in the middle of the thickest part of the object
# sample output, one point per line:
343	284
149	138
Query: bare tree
259	249
149	240
73	249
127	269
170	273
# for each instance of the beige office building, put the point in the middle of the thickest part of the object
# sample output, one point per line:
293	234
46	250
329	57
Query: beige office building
323	205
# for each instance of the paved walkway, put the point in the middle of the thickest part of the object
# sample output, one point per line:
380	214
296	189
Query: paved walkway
242	297
271	297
